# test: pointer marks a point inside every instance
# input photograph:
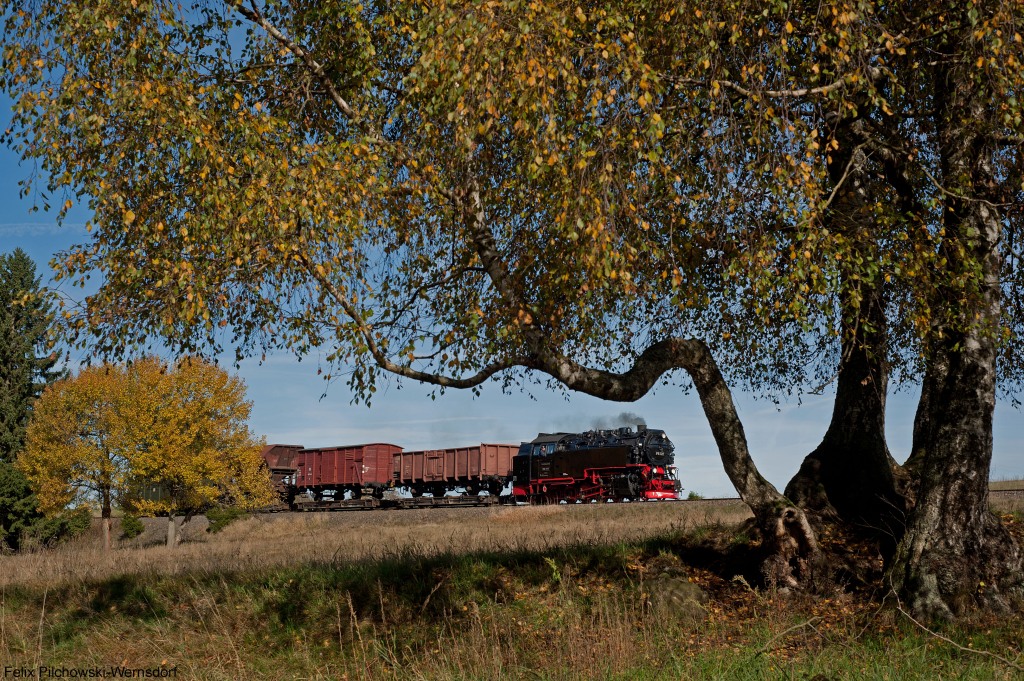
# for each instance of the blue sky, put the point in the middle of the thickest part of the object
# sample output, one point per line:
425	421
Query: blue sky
288	407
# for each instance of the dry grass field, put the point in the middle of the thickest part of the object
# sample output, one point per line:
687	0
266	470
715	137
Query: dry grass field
1001	485
622	591
291	539
1009	497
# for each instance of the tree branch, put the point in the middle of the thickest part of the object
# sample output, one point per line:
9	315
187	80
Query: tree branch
1009	139
739	89
689	354
423	288
983	653
381	359
955	195
254	15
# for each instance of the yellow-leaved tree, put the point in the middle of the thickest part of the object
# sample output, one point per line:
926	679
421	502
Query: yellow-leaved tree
112	434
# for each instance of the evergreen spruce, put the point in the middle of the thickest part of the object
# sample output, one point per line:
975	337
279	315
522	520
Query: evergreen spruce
26	367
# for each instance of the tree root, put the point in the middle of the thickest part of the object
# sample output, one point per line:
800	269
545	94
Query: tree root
794	559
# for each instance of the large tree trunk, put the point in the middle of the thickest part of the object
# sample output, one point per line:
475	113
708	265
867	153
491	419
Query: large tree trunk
934	378
849	476
792	558
105	523
956	554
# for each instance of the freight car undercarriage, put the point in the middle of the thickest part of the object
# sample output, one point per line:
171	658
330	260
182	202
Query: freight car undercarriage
462	501
369	503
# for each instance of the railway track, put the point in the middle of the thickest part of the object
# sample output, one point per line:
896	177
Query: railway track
370	503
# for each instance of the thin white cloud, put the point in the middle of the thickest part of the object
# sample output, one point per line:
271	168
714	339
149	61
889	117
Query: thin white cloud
38	229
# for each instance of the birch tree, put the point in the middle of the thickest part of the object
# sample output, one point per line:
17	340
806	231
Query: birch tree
601	197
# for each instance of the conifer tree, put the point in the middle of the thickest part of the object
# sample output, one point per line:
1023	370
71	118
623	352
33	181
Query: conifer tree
26	367
26	363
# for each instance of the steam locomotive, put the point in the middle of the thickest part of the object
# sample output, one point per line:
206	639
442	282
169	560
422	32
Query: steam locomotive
597	465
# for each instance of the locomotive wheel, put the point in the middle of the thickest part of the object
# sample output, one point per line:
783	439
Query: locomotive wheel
635	484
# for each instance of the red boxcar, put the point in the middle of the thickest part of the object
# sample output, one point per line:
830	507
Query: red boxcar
481	467
280	457
354	468
281	462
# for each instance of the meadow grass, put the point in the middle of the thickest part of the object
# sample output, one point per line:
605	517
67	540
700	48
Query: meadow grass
500	593
1005	484
288	539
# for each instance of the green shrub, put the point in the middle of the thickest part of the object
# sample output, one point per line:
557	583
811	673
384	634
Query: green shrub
131	527
694	496
222	516
21	523
18	512
61	527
